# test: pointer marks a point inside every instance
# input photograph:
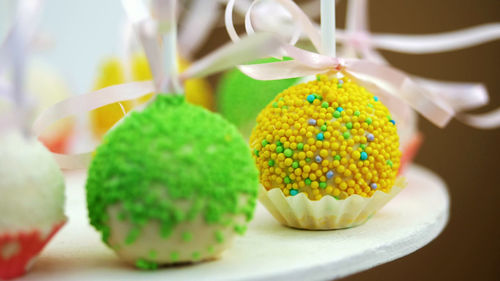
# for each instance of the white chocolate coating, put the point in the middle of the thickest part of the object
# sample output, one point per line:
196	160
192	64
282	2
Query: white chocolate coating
202	245
31	185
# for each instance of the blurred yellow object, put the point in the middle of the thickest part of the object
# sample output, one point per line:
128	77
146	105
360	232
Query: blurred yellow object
111	72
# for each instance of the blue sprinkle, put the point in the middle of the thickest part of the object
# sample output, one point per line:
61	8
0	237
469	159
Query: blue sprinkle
340	109
373	185
364	156
294	192
370	137
318	159
341	81
393	122
375	98
310	98
329	174
311	121
320	136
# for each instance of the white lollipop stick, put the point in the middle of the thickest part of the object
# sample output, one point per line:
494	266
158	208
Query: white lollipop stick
328	27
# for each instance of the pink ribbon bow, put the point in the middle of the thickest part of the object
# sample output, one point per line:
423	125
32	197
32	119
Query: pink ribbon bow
358	41
394	86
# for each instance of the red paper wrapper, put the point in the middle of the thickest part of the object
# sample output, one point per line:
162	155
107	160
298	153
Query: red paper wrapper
25	246
410	151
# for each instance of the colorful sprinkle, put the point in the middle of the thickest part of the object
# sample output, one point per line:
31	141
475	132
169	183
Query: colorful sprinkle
300	146
373	185
370	137
323	128
368	120
346	135
340	109
324	104
295	165
294	192
311	122
329	174
348	125
389	162
322	184
279	149
288	152
271	163
357	113
318	159
337	157
311	98
336	114
308	181
363	156
375	98
393	122
287	180
320	136
264	143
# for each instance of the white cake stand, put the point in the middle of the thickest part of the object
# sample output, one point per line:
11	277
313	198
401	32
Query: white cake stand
268	251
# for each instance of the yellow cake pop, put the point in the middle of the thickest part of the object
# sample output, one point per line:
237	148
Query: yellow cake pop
326	137
328	154
198	91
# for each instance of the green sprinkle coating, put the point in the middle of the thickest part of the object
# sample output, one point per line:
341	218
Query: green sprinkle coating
146	265
219	236
174	256
196	255
171	152
187	236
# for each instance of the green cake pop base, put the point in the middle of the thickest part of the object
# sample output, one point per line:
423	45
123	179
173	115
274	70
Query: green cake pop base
172	164
241	98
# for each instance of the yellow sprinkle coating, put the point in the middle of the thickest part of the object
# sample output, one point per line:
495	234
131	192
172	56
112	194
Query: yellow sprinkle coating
326	137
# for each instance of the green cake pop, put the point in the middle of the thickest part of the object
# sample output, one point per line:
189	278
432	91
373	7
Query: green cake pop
241	98
171	184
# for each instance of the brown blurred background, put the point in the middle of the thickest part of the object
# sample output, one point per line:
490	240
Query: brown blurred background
466	158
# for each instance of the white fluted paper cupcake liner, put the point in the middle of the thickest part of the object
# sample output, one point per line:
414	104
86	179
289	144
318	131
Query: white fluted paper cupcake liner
328	213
